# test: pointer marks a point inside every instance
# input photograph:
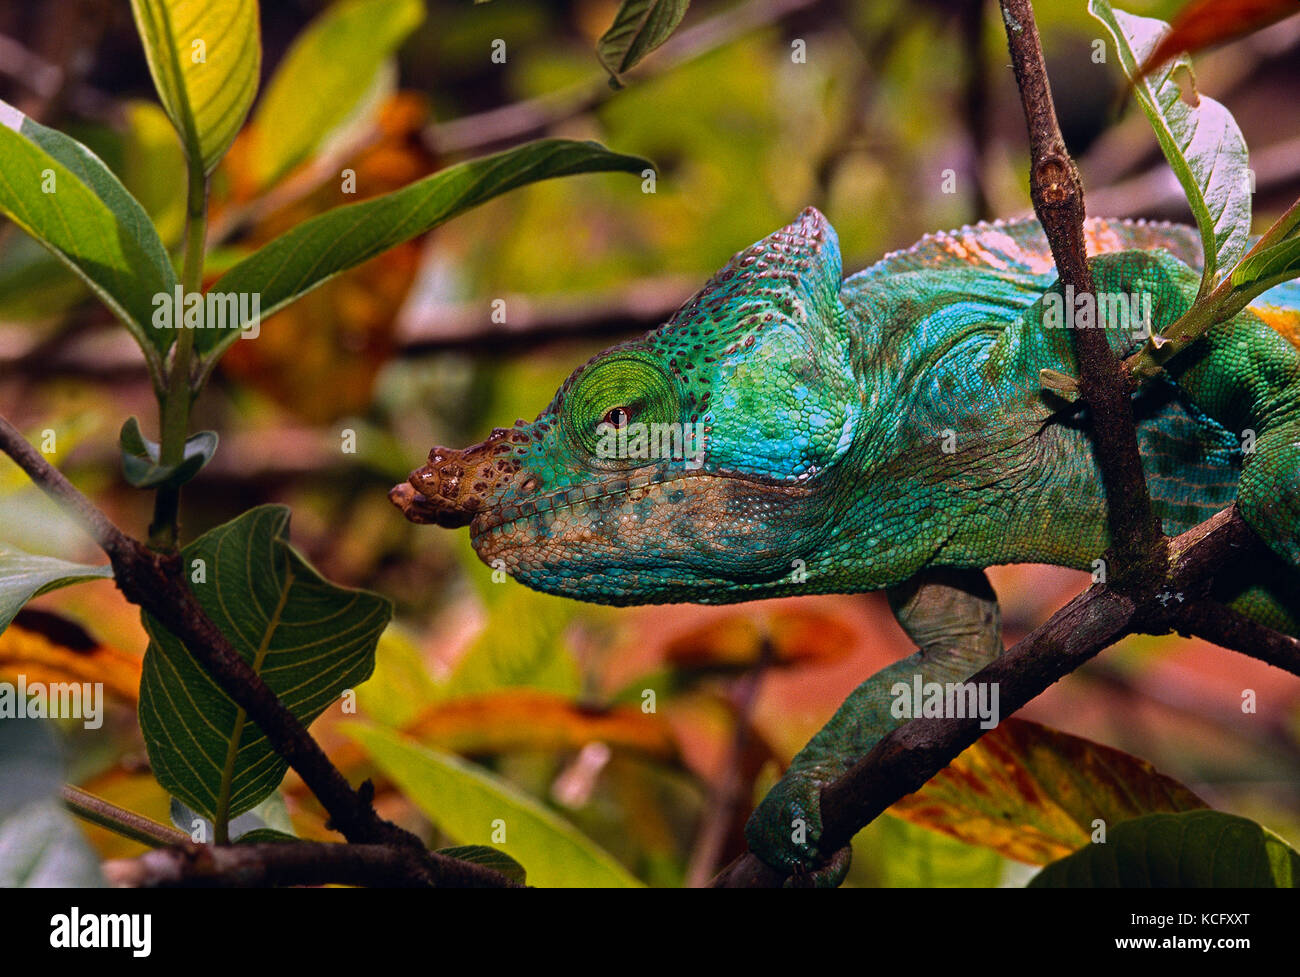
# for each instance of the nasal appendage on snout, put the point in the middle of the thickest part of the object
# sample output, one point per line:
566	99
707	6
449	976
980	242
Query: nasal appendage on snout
458	483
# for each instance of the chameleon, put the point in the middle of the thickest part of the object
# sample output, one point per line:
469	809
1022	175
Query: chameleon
890	431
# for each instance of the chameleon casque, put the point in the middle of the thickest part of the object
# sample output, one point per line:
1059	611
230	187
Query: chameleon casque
883	431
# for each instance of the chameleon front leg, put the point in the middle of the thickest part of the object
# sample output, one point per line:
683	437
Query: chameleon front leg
953	617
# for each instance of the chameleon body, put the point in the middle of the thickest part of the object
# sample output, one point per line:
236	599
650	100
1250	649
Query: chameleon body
888	430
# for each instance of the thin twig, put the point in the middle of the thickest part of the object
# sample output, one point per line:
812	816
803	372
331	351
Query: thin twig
726	795
1229	629
119	820
1057	193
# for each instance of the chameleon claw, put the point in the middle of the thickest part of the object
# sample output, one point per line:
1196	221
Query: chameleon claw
830	874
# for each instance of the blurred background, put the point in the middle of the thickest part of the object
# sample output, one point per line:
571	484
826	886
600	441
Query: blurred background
902	119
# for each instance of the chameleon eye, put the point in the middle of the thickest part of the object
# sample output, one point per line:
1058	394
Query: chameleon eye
625	387
618	417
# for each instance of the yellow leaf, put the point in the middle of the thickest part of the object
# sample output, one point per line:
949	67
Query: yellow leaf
205	57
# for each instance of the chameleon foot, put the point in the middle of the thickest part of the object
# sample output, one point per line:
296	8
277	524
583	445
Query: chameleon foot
785	832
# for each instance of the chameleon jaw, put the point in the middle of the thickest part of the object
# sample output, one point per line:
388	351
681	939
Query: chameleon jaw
677	537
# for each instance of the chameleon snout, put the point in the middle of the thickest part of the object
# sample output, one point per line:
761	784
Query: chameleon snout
458	483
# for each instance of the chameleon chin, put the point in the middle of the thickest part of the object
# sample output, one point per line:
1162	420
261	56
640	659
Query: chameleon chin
887	430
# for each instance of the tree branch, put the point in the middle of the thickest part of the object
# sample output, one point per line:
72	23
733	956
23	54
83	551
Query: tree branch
1057	193
155	582
296	863
1225	627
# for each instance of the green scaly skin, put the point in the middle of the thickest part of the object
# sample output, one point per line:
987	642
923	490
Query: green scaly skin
884	431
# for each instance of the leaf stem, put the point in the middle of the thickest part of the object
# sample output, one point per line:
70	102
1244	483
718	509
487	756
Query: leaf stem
126	823
1219	305
175	406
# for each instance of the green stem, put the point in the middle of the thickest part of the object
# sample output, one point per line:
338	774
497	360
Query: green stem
175	409
221	824
1219	305
126	823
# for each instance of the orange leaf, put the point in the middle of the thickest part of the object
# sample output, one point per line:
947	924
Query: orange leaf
1032	793
48	648
518	719
798	638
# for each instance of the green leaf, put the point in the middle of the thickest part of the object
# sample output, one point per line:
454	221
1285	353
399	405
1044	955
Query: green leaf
261	835
894	854
63	195
205	57
269	817
323	77
470	804
490	857
308	638
401	687
522	646
40	843
140	457
1269	267
318	249
639	27
1201	140
34	284
25	575
1196	849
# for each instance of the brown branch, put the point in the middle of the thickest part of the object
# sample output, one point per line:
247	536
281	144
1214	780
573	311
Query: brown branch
420	328
296	863
731	785
156	583
1227	628
531	321
1057	193
905	759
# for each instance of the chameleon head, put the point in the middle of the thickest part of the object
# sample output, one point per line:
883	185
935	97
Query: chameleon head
699	463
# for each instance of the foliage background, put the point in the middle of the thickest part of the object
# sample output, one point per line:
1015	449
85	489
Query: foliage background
402	352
